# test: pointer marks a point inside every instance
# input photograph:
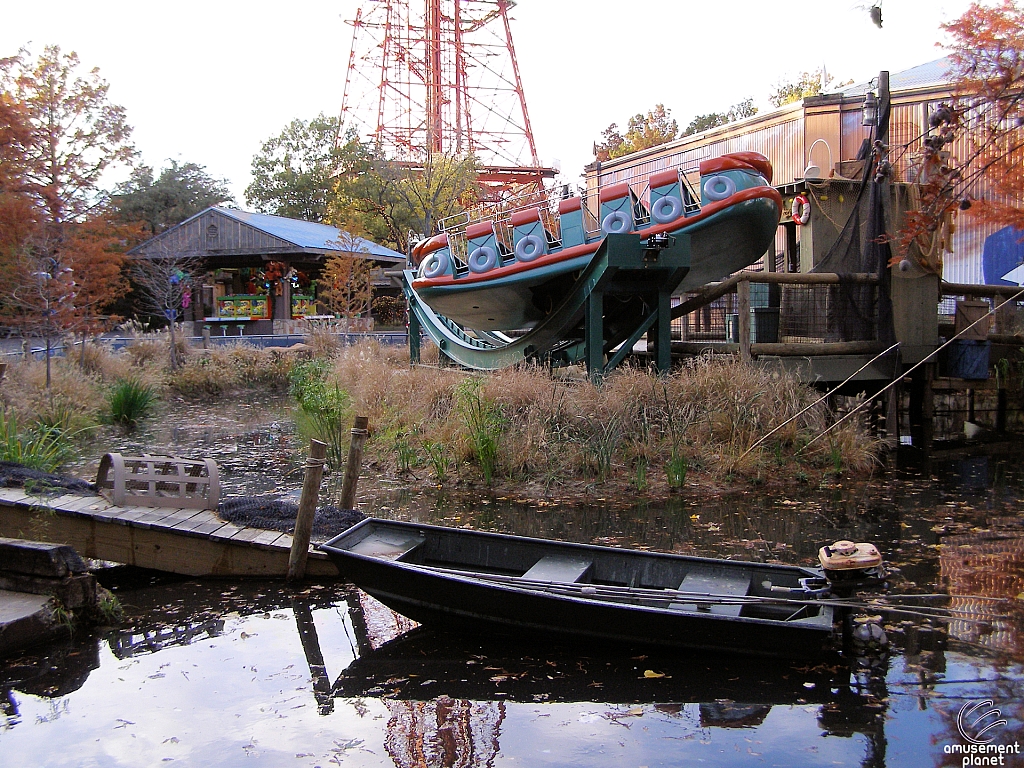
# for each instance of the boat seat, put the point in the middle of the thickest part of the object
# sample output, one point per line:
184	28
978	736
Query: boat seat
714	583
561	568
392	545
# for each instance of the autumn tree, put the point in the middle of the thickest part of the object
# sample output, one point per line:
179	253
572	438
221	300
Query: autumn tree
179	192
293	173
166	279
711	120
67	135
642	132
18	216
345	285
77	134
985	176
806	84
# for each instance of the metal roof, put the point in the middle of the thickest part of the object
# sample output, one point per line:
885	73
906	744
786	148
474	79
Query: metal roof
932	73
306	234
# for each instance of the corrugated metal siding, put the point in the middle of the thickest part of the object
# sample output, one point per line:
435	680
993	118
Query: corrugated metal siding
785	135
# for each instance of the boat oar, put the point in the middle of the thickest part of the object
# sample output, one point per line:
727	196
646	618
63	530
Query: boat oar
656	595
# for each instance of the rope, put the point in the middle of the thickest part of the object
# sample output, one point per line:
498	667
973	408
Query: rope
913	368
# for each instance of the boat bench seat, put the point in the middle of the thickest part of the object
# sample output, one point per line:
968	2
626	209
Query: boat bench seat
388	544
559	568
714	584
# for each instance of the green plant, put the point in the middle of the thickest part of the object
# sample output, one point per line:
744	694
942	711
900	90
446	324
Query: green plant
62	615
439	459
40	447
327	408
483	422
130	401
405	452
640	475
676	468
108	607
603	439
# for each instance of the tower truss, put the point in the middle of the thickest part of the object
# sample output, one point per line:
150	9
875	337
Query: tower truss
441	76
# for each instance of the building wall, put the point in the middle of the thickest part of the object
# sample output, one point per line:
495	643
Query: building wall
786	135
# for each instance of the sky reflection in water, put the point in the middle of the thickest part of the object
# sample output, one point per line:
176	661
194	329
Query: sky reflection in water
214	673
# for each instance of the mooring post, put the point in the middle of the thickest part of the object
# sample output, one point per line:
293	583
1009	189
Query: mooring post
307	508
354	463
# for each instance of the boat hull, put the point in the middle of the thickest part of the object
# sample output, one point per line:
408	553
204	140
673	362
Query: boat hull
519	297
447	597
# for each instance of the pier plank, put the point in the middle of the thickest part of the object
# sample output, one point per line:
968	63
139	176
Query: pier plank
186	541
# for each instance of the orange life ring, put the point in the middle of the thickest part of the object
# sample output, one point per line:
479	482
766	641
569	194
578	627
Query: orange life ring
801	210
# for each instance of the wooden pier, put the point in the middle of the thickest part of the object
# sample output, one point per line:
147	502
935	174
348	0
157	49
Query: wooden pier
192	542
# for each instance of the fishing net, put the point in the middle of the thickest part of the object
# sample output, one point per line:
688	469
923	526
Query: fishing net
862	246
13	475
276	514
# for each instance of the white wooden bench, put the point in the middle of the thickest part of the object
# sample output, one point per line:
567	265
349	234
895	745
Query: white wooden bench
560	568
714	584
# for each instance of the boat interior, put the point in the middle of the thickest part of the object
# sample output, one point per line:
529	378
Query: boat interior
600	573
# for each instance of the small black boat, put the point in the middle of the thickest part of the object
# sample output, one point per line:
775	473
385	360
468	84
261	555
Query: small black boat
459	579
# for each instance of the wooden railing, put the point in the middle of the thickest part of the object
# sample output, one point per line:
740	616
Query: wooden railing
740	284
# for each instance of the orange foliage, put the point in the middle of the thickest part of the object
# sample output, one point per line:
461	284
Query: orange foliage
973	156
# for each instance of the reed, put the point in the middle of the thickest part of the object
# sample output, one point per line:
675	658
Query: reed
130	401
326	409
41	447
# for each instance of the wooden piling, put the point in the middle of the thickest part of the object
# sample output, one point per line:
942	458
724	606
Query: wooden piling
307	508
354	463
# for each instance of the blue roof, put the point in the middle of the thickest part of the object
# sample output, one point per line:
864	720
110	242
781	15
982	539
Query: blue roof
306	234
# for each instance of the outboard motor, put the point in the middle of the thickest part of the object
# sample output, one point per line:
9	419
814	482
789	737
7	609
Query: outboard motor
852	566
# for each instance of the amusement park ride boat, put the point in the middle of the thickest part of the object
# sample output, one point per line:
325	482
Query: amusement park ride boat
513	269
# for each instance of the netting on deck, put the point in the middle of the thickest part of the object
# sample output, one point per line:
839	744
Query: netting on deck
276	514
13	475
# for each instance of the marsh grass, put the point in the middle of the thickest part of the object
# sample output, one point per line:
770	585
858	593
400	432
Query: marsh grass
521	425
526	426
40	446
130	401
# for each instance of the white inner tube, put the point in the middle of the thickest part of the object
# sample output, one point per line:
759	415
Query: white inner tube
530	247
667	208
435	265
482	259
616	223
719	187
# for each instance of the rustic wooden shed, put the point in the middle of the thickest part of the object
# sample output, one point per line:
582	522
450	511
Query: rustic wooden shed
259	267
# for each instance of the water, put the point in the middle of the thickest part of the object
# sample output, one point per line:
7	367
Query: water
212	673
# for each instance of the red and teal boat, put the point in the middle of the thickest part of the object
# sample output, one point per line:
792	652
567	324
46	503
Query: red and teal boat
511	269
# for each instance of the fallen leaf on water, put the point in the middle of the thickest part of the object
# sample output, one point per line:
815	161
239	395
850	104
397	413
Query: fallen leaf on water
650	673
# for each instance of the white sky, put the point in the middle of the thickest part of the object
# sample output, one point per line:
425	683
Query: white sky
208	82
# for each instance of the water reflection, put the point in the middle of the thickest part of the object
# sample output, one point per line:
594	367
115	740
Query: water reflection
307	676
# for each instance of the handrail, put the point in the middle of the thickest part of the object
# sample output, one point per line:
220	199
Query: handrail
714	291
970	289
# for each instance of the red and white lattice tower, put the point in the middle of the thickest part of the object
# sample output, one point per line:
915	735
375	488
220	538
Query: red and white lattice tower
441	76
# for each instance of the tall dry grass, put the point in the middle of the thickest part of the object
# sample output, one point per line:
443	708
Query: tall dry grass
553	431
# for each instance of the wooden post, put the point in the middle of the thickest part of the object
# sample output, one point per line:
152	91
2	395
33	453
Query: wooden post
307	508
743	309
355	461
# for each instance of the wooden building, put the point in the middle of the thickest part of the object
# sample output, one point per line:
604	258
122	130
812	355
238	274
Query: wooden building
825	133
260	270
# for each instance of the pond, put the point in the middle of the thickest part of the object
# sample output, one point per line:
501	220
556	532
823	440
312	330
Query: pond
212	673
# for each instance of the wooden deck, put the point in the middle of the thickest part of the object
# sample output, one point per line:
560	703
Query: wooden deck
186	541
